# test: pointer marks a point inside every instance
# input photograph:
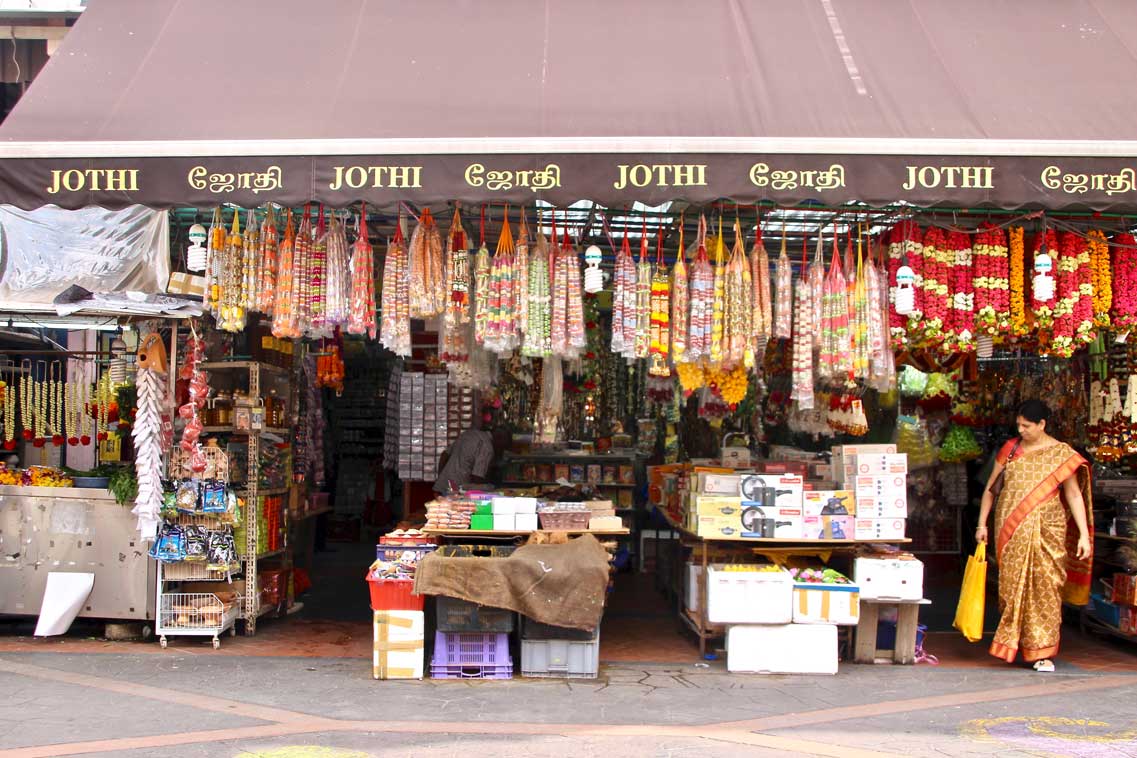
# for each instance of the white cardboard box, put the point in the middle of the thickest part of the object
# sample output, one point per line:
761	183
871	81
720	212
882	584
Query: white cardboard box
827	604
879	528
693	594
525	522
880	484
782	649
888	506
503	506
842	458
718	484
397	648
504	522
749	597
889	578
882	465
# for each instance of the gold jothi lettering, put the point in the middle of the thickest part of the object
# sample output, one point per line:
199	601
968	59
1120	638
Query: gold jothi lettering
93	180
376	177
536	180
217	182
950	177
1124	180
661	175
761	175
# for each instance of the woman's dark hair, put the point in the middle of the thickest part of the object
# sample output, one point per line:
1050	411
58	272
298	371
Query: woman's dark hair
1034	411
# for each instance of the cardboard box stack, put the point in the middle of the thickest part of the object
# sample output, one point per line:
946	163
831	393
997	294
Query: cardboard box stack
878	477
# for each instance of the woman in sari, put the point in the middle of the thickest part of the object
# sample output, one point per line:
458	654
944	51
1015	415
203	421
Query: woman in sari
1042	537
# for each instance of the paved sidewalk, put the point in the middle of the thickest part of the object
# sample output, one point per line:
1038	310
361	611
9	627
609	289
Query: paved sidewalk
183	704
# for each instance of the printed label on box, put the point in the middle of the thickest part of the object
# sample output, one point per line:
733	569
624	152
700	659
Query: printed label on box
828	503
880	528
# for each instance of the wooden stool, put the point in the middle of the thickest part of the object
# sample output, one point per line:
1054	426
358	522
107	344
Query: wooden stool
904	648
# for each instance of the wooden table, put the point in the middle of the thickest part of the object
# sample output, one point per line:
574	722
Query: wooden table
907	618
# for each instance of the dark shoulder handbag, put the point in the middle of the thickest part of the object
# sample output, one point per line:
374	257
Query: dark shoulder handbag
997	486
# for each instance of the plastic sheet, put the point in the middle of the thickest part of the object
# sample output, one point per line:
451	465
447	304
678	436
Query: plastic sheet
47	250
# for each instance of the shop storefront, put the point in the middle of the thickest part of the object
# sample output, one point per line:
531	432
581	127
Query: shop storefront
728	359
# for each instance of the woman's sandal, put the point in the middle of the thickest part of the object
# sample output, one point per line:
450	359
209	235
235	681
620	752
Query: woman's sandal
1044	667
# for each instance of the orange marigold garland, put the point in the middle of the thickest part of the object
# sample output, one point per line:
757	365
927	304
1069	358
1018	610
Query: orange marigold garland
1102	277
1017	282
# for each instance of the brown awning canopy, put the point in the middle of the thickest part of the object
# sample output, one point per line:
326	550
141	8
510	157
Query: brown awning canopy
969	103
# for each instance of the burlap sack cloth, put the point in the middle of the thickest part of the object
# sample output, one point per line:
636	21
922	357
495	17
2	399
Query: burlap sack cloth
563	585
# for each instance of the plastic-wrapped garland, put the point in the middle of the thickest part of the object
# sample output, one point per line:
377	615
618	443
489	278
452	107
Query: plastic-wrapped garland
284	300
302	275
761	304
679	303
232	295
834	358
660	314
362	312
521	267
577	339
702	300
338	275
458	302
623	301
859	312
317	323
719	308
816	279
882	365
395	323
802	371
427	283
738	318
250	253
501	326
482	269
267	263
644	277
536	343
783	294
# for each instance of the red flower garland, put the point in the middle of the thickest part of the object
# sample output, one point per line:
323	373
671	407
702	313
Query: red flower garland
961	325
935	285
1124	306
992	281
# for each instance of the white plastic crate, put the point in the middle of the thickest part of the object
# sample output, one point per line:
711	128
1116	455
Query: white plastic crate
565	659
749	597
782	649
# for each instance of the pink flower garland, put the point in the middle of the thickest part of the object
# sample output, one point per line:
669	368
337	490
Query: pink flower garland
1124	307
936	271
962	317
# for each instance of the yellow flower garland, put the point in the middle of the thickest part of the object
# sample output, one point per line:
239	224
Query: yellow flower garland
1018	304
1102	276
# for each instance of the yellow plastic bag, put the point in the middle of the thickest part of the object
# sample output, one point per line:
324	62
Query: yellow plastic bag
973	595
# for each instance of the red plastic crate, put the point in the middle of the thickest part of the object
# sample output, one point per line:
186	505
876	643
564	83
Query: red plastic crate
394	595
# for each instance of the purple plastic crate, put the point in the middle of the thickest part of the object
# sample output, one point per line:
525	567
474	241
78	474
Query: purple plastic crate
464	649
471	672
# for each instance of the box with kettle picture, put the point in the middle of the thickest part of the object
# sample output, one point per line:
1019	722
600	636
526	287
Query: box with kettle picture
770	507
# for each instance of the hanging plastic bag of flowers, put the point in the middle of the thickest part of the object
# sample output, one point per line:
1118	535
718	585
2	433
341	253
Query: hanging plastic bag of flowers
912	382
912	439
960	445
939	392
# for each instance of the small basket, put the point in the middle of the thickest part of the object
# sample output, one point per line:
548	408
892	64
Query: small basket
393	594
565	520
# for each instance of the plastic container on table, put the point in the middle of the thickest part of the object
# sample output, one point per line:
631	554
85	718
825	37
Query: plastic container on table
393	594
568	659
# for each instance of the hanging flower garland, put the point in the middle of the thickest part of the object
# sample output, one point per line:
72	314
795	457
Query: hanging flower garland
623	300
691	377
936	305
250	254
737	321
536	343
214	263
1065	258
482	269
992	281
303	283
231	313
1084	327
425	260
882	367
317	326
1044	309
679	303
961	333
284	302
395	324
718	310
644	276
1017	282
702	300
521	267
834	360
362	310
761	304
660	314
783	294
816	278
1098	249
266	274
575	336
501	324
804	327
1124	305
859	311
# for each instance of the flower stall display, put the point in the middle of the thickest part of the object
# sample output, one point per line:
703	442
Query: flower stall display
935	301
1124	305
718	308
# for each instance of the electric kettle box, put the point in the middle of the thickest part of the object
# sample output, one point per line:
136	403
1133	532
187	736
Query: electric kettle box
828	503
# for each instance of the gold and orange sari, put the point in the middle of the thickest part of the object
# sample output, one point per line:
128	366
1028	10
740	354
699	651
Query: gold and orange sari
1035	546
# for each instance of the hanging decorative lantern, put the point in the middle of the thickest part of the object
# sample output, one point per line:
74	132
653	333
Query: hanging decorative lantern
905	294
197	252
1043	281
593	276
